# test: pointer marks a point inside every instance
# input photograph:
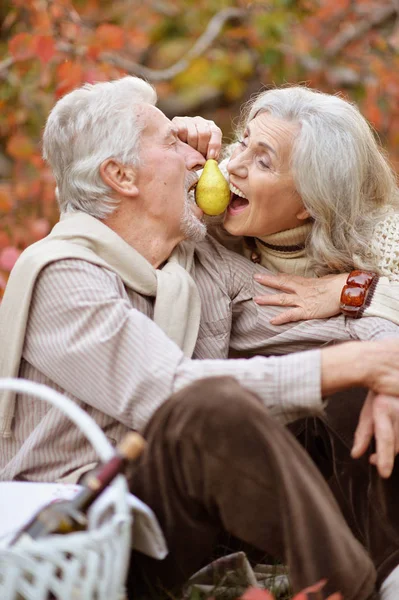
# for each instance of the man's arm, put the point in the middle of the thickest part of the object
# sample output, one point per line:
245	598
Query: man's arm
85	336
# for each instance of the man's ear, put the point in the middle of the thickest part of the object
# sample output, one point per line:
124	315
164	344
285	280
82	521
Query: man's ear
121	178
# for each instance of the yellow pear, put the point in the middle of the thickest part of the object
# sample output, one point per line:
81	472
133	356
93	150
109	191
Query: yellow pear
212	193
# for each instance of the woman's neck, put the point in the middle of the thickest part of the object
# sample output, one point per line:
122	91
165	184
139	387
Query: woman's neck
289	242
284	251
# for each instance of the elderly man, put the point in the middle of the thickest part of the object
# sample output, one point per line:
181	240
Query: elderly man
112	308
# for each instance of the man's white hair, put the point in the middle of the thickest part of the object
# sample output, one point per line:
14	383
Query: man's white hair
87	126
341	173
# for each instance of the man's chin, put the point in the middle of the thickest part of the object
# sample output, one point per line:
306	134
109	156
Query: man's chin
197	212
194	229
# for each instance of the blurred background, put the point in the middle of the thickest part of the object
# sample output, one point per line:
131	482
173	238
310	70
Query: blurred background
204	57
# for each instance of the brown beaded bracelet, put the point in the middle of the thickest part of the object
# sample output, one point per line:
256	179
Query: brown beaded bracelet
357	292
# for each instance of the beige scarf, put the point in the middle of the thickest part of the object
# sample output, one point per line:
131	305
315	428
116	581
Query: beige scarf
177	303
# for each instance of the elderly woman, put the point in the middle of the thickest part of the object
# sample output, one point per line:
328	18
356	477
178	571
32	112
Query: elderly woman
312	195
317	196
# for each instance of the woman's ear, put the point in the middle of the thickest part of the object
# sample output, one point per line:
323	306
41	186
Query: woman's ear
303	214
121	178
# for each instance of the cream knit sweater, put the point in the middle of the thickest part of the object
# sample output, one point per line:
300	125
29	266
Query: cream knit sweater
283	251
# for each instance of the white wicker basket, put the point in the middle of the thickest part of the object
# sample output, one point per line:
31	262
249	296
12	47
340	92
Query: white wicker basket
79	566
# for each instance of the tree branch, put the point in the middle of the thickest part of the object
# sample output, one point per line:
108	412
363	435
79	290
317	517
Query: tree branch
207	38
356	31
212	31
5	65
344	75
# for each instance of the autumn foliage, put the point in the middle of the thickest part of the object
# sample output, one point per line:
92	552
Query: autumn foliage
204	57
313	592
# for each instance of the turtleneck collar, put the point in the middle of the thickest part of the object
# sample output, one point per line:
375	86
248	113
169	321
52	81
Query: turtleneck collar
287	244
282	252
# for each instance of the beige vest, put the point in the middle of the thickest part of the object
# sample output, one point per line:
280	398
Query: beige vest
177	307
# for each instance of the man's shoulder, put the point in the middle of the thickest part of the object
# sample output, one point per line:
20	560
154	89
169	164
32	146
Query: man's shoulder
58	264
213	249
47	251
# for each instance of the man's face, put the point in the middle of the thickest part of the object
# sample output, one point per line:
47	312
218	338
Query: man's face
165	175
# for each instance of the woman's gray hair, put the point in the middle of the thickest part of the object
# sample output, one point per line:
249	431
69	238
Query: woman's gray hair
86	127
339	170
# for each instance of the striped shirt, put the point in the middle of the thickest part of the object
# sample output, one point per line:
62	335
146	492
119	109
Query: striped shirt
94	341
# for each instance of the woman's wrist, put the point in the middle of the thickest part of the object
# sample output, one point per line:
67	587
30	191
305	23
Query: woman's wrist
357	293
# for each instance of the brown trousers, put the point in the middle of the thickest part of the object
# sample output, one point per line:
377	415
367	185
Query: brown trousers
368	503
217	462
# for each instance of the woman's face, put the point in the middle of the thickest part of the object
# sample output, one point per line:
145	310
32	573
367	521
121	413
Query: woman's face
264	199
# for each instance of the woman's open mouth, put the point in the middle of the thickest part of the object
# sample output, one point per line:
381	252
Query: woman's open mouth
238	202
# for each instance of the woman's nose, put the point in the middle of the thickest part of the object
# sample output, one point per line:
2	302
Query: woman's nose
237	166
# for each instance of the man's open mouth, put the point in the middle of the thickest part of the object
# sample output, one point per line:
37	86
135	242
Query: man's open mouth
191	191
193	185
238	202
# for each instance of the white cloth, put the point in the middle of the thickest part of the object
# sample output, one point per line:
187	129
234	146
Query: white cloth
177	304
20	500
390	587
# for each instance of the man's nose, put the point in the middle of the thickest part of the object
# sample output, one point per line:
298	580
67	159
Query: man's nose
194	159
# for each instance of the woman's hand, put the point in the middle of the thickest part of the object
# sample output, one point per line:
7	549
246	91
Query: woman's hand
205	136
312	298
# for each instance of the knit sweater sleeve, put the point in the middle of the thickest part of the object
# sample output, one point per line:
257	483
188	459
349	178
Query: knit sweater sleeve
385	299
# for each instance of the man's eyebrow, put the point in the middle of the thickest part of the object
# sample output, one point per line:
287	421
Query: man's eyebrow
171	131
262	144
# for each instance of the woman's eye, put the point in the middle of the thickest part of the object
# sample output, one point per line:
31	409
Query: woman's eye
243	142
264	164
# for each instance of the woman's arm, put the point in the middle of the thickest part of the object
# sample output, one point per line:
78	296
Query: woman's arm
385	301
307	297
320	298
310	298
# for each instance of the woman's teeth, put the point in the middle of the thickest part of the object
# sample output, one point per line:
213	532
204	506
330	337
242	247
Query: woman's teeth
237	192
238	202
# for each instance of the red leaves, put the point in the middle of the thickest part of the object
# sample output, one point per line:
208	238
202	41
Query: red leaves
20	146
69	76
317	587
38	229
6	202
45	48
59	45
110	37
106	38
257	594
8	258
25	46
22	46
